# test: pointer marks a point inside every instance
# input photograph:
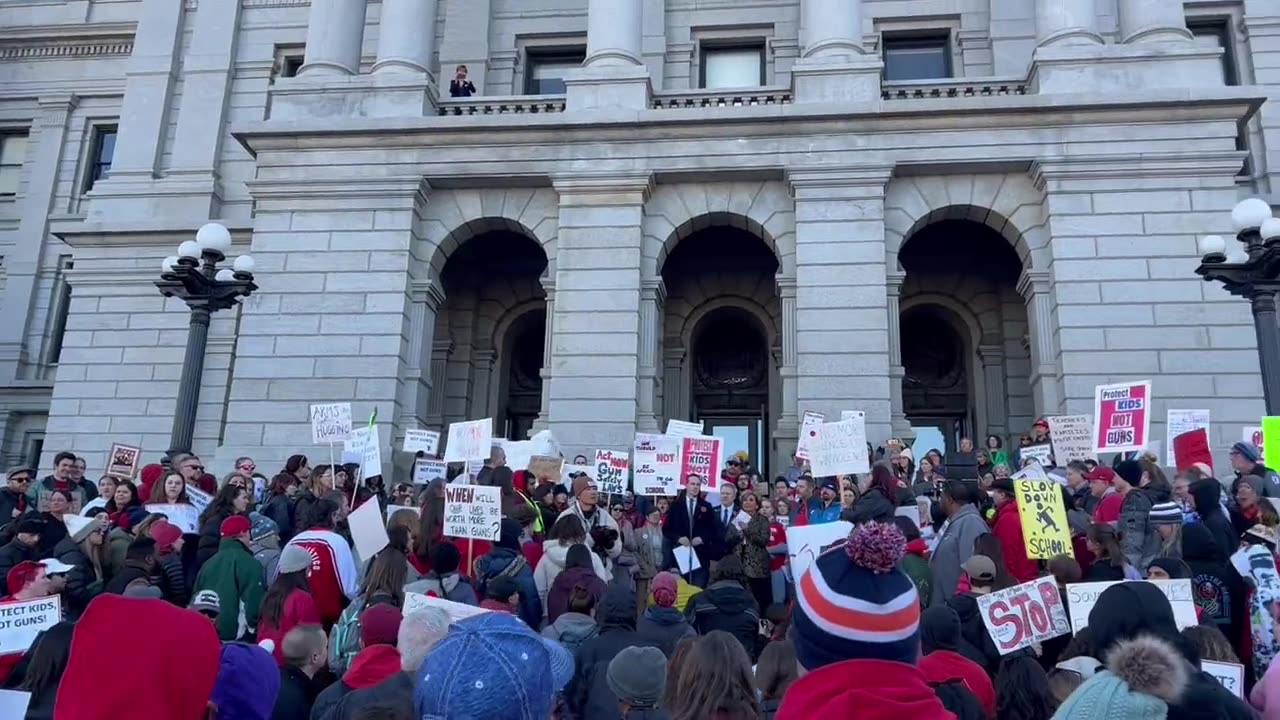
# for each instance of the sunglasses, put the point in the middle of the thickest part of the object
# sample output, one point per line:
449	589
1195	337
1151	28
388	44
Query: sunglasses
733	463
20	480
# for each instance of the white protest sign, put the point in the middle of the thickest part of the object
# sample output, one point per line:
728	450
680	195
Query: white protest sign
421	441
519	453
840	448
1042	453
656	460
474	467
1031	472
20	622
472	511
568	471
469	440
1178	422
393	509
1072	438
414	602
330	423
686	559
809	432
1081	597
424	471
611	471
199	498
805	543
364	441
545	444
682	428
851	414
13	703
182	516
910	512
368	531
98	503
1024	615
1231	675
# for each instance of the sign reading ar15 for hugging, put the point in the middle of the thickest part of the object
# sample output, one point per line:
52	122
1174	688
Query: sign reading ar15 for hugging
1122	416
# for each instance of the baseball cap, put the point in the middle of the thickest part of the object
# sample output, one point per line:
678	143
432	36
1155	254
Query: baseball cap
234	526
980	567
491	666
1101	474
206	602
56	567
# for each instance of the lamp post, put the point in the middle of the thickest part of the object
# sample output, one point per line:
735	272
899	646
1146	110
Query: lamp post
193	275
1252	271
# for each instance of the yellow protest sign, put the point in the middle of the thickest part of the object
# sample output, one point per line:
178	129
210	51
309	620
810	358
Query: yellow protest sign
1271	444
1044	519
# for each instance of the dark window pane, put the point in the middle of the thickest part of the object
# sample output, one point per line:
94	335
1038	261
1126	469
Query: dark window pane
104	149
917	58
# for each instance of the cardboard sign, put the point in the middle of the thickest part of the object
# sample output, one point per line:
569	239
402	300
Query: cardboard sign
413	602
20	622
1178	422
1023	615
421	441
1072	437
611	471
199	498
1081	597
182	516
546	467
1252	434
368	530
1044	520
1231	675
1042	453
330	423
657	465
1270	437
122	461
472	511
701	456
806	542
364	442
681	428
808	432
840	448
1122	417
519	454
469	440
424	471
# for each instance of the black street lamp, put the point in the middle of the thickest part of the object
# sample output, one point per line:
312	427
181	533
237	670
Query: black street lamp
1252	271
193	276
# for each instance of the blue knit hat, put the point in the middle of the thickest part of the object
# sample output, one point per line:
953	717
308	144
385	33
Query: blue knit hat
1142	677
248	682
855	603
491	666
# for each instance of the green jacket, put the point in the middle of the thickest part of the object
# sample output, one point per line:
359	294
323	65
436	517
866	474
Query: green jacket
236	577
917	568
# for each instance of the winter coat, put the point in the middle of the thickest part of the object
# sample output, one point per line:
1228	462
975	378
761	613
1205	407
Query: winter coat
279	508
571	629
370	666
863	689
649	550
664	628
1270	480
728	606
173	579
588	693
12	504
300	506
13	553
954	547
703	525
450	587
915	563
872	506
396	692
210	539
754	547
1207	495
600	518
942	665
1008	530
1216	588
297	694
552	564
1103	570
118	540
132	574
822	513
237	579
38	493
1139	540
562	590
83	583
505	562
975	642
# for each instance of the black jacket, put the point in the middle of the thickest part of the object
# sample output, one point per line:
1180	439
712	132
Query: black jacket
13	553
395	692
297	693
279	508
664	628
678	525
873	505
210	538
132	571
588	693
10	502
82	580
1207	495
173	579
728	606
975	642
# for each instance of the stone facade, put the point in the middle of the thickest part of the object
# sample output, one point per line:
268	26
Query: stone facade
1097	140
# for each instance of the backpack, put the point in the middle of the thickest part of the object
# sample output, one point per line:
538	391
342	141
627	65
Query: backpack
510	571
344	638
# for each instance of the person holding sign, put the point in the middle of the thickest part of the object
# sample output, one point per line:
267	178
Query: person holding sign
585	507
1008	530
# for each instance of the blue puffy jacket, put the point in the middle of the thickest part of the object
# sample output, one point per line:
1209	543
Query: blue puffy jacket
511	563
819	515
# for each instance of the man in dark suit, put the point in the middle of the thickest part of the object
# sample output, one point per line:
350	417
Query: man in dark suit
692	523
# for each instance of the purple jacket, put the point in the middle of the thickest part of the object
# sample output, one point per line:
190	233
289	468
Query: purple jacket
562	589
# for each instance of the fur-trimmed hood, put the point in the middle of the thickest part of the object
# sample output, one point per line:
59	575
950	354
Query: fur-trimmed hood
1143	677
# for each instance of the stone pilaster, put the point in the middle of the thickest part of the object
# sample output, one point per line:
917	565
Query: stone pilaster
833	66
996	406
1034	287
788	428
899	426
613	76
653	294
549	288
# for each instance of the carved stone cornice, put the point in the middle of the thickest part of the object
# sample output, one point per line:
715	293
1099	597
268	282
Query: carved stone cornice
56	42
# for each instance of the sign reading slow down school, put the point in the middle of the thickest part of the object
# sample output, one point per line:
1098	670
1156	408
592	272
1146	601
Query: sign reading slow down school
1044	519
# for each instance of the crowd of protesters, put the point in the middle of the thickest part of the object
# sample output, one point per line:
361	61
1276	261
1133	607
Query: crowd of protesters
262	609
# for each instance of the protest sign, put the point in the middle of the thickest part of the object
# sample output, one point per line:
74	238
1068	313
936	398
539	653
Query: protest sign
519	454
851	414
1072	437
364	441
199	498
469	440
472	511
686	559
806	542
1270	437
682	428
1190	448
330	423
1044	520
474	467
657	464
21	621
1042	453
545	444
701	456
14	703
1081	597
1230	675
184	517
1178	422
1257	565
569	471
611	471
840	448
911	512
424	470
1030	472
545	468
421	441
122	461
1122	416
414	602
808	432
393	509
1025	614
368	530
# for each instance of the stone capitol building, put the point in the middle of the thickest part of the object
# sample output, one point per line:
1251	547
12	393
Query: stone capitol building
959	214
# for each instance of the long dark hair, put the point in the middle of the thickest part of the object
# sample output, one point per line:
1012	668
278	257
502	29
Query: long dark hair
223	505
273	602
430	528
882	479
1022	690
989	545
134	500
1104	536
49	655
294	464
386	576
715	681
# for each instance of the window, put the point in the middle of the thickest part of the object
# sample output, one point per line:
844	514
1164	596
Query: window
917	57
732	66
1216	33
13	148
100	154
546	69
33	445
58	310
289	59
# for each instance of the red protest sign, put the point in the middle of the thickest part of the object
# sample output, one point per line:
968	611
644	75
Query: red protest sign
1192	447
1122	417
700	455
1025	614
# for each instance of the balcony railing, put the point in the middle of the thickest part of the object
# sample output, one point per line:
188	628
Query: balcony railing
956	88
503	105
677	99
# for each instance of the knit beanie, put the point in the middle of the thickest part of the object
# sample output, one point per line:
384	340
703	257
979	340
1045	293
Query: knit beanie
445	558
1166	513
1142	677
1130	471
580	484
248	682
853	602
637	676
165	534
665	589
1248	450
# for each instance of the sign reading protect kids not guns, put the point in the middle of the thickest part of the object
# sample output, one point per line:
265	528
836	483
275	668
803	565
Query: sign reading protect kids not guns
1044	520
1122	417
701	455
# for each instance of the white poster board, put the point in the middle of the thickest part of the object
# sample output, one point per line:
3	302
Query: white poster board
421	441
656	465
364	442
1178	422
1081	597
1031	472
330	423
13	703
182	516
469	440
682	428
22	621
1023	615
840	448
519	453
368	530
472	511
611	471
808	432
1231	675
1042	453
424	471
568	471
199	498
805	543
1072	437
414	602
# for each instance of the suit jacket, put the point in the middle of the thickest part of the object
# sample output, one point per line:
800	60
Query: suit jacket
727	534
703	525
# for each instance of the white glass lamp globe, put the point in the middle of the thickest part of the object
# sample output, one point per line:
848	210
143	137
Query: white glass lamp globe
1270	229
169	263
189	248
1212	245
225	275
213	236
244	264
1237	257
1250	214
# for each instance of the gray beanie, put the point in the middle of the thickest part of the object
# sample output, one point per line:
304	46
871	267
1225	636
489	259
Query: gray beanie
638	675
293	558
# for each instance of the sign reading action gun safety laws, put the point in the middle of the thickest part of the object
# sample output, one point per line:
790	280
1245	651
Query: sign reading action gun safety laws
611	471
472	511
1122	417
1044	520
702	456
1025	614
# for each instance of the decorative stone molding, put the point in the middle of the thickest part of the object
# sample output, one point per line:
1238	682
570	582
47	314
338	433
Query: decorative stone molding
55	42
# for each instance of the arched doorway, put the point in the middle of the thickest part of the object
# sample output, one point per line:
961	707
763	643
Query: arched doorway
521	396
936	380
730	363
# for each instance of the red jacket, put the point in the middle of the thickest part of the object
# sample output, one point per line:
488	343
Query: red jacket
371	666
1008	530
863	689
299	609
1108	509
940	666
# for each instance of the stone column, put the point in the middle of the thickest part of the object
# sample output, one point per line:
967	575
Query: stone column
440	351
899	426
995	419
1066	22
830	28
788	417
653	293
406	36
335	33
833	67
1152	21
1033	286
549	287
674	389
483	360
428	298
615	33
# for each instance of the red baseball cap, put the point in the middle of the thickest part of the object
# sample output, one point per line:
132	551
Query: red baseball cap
1102	474
234	526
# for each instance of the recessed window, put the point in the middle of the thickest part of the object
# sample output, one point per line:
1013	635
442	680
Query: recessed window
917	57
289	59
59	308
102	149
546	69
1216	33
732	66
13	149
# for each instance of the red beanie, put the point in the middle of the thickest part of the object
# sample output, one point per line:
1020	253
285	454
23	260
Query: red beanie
149	475
172	680
165	534
235	525
21	574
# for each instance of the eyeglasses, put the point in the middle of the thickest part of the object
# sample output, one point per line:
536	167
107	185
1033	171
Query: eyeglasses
20	480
